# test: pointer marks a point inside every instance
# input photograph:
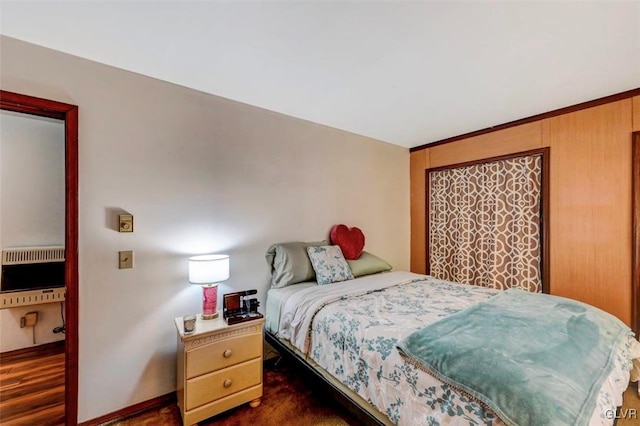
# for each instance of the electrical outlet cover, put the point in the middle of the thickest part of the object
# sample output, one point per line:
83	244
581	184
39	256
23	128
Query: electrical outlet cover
30	319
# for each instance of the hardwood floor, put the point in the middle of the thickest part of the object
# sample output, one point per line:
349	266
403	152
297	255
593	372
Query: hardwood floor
629	413
32	386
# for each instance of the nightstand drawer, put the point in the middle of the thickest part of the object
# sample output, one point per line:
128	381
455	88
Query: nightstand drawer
216	356
192	417
213	386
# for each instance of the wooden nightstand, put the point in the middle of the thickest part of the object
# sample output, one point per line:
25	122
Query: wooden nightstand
219	367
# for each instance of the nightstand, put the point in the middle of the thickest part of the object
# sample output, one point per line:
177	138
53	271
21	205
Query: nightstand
219	367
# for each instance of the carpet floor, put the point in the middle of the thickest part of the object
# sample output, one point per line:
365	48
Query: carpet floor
292	398
288	400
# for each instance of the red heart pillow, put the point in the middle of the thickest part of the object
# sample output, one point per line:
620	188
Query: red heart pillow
351	241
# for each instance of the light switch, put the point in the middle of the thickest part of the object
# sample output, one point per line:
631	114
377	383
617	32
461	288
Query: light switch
125	259
126	222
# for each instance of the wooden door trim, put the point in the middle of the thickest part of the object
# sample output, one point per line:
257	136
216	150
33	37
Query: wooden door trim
69	113
635	214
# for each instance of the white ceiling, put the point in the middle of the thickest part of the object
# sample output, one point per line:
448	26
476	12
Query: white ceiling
407	73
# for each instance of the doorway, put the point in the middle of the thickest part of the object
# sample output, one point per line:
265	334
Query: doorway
69	115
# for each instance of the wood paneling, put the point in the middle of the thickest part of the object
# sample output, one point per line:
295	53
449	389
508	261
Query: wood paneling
419	161
515	139
538	117
636	114
591	206
590	197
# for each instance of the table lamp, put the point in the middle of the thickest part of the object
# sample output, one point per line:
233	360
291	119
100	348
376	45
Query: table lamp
208	270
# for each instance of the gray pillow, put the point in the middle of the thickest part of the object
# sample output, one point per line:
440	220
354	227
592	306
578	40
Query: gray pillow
290	264
368	264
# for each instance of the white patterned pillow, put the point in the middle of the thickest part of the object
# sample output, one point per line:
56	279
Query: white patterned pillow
329	264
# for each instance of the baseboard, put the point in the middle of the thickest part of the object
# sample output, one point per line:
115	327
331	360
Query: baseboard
51	348
158	402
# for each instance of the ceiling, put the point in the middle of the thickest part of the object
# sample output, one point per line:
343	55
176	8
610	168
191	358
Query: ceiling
407	73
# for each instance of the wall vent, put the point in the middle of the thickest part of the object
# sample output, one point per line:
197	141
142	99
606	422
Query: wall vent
32	297
26	255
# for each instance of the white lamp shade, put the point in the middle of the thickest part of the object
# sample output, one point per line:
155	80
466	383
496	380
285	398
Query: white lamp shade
208	269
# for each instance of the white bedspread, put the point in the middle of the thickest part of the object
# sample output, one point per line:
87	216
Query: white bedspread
350	329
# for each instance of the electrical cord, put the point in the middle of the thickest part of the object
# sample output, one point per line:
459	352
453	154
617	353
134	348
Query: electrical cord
63	328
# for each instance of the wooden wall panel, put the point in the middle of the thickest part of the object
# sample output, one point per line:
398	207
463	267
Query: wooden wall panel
590	206
636	114
507	141
419	162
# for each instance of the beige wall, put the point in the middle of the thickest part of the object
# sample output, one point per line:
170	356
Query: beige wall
590	198
201	174
31	181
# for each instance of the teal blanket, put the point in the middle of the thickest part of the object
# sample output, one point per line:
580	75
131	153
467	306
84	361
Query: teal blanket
534	359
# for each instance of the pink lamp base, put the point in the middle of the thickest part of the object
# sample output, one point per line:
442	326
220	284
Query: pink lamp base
209	301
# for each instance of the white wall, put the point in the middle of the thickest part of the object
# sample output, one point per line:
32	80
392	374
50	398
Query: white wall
31	180
201	174
14	337
31	211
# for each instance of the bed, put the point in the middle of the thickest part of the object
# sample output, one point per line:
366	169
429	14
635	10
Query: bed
349	333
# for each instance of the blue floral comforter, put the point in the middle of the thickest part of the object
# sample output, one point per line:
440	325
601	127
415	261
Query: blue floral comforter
351	329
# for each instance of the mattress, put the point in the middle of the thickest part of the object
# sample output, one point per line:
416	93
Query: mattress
353	339
276	297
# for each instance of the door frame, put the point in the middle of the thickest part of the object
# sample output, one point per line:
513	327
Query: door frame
635	232
15	102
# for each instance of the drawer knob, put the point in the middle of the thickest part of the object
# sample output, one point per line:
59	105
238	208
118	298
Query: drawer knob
227	383
227	353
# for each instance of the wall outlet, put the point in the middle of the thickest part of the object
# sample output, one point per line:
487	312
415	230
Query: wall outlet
29	319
